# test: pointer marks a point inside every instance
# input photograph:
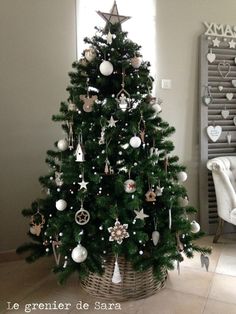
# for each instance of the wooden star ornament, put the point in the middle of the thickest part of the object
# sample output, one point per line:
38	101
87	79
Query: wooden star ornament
113	17
140	214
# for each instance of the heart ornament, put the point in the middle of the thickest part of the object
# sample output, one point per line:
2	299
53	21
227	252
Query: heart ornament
224	68
234	83
211	56
214	132
220	88
229	96
207	100
225	113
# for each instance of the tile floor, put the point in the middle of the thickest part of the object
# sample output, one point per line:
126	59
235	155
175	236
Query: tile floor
194	291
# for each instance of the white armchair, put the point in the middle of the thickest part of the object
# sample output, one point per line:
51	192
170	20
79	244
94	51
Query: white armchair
224	177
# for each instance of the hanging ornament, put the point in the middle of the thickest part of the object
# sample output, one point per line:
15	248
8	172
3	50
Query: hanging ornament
229	137
130	186
108	169
70	135
150	196
62	145
36	223
58	178
106	68
123	97
90	54
135	141
155	234
142	128
207	99
71	106
55	245
116	277
214	132
82	216
109	38
83	184
211	56
182	176
112	122
118	232
220	88
195	227
233	83
102	136
225	113
79	153
79	254
170	219
88	102
166	162
136	62
61	205
140	214
159	190
156	105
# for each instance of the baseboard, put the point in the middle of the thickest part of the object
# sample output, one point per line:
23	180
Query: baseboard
10	256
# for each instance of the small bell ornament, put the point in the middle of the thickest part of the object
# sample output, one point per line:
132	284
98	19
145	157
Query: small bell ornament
79	153
116	278
79	254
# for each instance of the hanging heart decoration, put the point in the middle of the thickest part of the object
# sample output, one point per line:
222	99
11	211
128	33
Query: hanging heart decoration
214	132
225	113
211	56
207	100
234	83
224	68
229	96
220	87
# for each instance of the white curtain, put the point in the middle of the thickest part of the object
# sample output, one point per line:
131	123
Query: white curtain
141	27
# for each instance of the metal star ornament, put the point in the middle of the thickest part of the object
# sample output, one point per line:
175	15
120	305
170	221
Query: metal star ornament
113	17
140	214
83	185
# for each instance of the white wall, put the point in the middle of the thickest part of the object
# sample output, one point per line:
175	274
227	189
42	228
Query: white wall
37	47
180	23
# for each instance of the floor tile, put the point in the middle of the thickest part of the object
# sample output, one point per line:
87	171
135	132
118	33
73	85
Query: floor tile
190	280
226	265
223	288
216	307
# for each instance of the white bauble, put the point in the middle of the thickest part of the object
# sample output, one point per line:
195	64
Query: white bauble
90	54
135	141
157	108
61	205
136	62
195	227
155	237
130	186
79	254
106	68
182	176
62	145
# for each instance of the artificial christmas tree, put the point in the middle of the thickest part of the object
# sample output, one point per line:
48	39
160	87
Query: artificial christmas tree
115	201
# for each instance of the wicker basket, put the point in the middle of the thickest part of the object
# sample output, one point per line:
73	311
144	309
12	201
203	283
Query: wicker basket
135	285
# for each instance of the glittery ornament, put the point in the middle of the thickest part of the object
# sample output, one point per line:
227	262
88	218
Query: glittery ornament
118	232
130	186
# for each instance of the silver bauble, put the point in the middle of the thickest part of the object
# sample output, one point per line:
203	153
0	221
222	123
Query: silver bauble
106	68
61	205
135	141
195	227
79	254
62	145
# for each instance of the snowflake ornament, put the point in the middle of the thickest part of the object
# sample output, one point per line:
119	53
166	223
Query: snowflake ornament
118	232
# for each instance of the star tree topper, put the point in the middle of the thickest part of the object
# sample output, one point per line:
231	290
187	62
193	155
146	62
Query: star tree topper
113	17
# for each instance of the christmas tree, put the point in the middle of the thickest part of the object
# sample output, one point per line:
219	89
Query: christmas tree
114	187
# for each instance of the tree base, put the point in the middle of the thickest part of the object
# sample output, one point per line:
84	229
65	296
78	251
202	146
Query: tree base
134	285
